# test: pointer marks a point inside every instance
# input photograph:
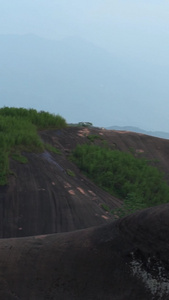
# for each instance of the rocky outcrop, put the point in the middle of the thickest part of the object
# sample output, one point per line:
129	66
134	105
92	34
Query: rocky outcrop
127	259
58	243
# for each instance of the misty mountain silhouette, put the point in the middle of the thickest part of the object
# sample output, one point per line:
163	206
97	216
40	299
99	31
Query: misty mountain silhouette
78	79
160	134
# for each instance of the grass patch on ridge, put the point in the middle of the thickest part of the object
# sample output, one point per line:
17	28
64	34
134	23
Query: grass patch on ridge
19	132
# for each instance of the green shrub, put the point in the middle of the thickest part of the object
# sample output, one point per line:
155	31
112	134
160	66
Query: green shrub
21	158
51	148
105	207
132	203
93	137
4	166
18	132
132	179
70	173
42	119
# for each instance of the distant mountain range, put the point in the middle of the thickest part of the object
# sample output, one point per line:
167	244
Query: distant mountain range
70	77
80	81
160	134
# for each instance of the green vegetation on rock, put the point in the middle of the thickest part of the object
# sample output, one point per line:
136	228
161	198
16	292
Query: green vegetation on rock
42	119
52	149
19	132
18	157
132	179
93	137
70	173
105	207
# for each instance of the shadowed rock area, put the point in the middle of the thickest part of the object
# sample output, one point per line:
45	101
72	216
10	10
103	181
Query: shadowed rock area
58	243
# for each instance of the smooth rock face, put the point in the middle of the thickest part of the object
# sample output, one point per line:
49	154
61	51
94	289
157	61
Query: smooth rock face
121	260
84	264
58	243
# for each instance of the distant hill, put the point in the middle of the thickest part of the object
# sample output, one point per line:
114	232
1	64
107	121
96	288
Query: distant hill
68	76
160	134
80	81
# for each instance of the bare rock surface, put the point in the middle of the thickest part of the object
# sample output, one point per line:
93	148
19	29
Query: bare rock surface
58	243
127	259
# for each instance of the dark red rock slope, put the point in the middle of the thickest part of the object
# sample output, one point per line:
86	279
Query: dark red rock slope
125	260
58	243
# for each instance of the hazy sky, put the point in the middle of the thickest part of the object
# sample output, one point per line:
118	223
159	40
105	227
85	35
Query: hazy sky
137	30
140	28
